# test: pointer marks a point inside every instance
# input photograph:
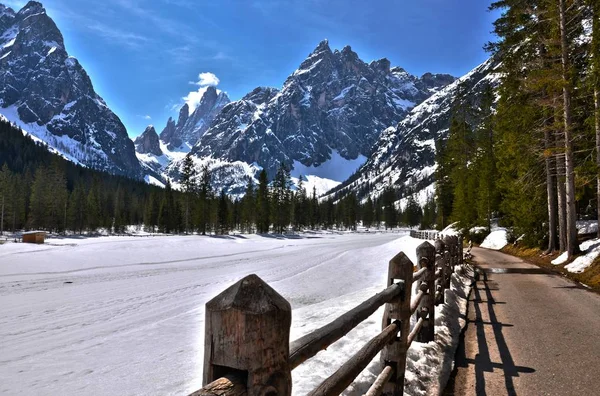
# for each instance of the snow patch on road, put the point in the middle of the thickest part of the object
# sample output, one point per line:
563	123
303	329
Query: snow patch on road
496	240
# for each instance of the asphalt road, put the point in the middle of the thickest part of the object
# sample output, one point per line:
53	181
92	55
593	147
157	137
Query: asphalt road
528	333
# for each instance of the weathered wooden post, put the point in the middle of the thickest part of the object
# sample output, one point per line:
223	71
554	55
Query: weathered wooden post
440	284
394	354
247	337
426	310
448	259
456	253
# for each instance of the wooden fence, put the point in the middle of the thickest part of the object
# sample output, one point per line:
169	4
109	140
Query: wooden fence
247	349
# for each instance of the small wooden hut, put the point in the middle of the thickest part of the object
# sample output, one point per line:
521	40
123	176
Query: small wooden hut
34	237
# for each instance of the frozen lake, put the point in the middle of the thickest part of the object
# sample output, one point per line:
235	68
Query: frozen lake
125	315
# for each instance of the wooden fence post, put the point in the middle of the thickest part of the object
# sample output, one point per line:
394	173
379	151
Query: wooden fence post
440	262
426	258
448	258
247	335
456	253
461	255
394	354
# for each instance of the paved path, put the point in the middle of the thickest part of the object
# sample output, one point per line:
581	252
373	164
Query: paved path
528	333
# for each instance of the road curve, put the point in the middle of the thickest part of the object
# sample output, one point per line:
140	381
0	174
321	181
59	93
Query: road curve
528	332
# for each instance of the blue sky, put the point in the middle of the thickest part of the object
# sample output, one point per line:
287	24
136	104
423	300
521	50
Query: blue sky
144	56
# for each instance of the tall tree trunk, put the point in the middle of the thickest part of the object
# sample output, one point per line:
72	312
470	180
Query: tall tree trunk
597	124
562	202
551	189
572	246
595	50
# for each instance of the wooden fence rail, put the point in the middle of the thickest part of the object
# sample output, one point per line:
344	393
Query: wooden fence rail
247	349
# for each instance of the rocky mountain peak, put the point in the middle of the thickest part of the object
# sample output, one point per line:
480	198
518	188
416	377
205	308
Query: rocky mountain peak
192	125
184	114
31	8
323	46
50	95
148	142
333	102
6	17
261	95
382	65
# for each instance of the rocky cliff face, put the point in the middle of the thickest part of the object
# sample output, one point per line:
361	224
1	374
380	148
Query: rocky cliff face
148	142
191	127
333	102
404	155
50	95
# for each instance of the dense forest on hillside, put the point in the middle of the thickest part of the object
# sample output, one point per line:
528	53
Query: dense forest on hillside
534	161
40	190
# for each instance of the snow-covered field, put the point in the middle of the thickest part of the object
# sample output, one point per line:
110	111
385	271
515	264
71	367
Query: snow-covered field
125	315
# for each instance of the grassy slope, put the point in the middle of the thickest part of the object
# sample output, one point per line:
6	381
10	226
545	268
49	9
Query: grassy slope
590	277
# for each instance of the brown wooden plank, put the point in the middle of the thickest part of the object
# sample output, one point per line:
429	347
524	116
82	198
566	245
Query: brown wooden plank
346	374
309	345
225	386
377	388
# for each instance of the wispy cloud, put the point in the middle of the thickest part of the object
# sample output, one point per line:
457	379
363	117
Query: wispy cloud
147	117
166	25
118	36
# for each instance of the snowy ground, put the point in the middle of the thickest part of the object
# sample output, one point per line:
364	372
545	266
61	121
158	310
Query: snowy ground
496	240
587	226
125	315
590	251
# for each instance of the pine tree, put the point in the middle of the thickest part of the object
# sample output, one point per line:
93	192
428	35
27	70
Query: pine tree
263	213
204	201
412	212
248	208
77	208
390	215
188	183
368	213
223	214
281	199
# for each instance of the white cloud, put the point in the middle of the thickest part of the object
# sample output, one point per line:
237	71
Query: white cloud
147	117
204	80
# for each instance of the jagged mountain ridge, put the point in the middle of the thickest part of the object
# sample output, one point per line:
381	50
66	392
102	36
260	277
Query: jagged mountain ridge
190	127
48	94
333	102
404	155
148	142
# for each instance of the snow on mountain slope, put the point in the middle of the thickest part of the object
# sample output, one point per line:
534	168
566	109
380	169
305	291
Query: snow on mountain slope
49	94
333	102
322	123
404	156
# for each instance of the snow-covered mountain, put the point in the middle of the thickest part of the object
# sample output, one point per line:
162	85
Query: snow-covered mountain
333	102
191	127
49	95
328	115
404	155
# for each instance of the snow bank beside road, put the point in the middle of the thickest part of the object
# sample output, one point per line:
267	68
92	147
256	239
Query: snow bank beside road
590	251
496	240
